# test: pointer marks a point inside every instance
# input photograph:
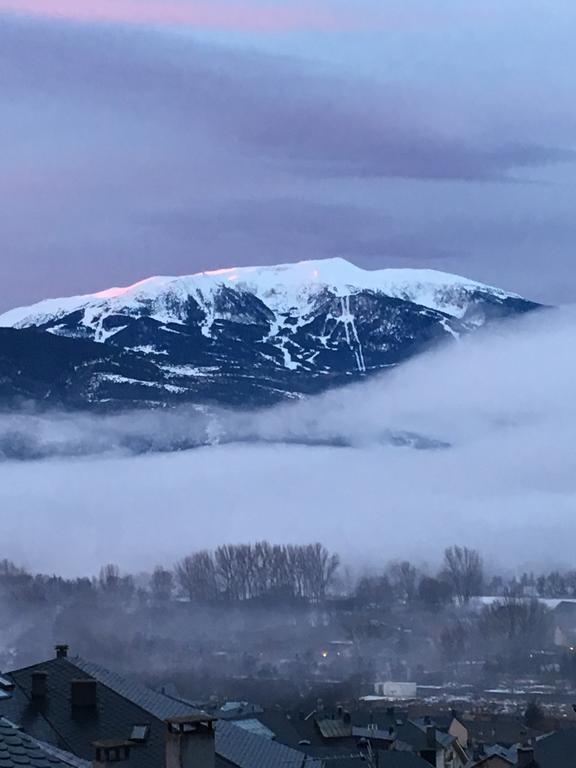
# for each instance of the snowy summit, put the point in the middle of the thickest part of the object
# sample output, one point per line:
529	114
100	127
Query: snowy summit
258	334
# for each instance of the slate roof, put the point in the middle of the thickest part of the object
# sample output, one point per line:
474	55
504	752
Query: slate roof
252	725
246	750
18	750
122	704
503	731
334	729
556	750
416	736
374	733
347	758
157	704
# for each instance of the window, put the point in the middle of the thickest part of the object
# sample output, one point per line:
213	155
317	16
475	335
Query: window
139	733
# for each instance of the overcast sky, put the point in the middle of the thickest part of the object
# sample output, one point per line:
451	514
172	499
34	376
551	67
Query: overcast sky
168	136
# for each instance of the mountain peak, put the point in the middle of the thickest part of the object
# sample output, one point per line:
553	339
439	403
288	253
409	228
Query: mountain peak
250	335
285	286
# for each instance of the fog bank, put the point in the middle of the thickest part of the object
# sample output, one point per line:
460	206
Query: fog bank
507	484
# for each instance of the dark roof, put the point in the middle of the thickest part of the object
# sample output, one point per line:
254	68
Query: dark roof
499	730
122	704
157	704
352	758
334	729
374	733
416	736
290	728
18	750
557	750
246	750
401	760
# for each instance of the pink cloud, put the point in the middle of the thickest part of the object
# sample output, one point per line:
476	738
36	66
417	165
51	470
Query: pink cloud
223	14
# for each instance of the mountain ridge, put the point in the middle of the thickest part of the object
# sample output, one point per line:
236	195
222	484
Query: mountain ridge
258	335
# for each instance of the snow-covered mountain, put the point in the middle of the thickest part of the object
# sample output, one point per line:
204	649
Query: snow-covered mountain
252	335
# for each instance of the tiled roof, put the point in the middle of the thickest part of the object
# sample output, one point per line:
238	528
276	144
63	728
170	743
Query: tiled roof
156	704
416	736
246	750
121	704
18	750
253	725
347	758
334	729
373	733
66	757
556	750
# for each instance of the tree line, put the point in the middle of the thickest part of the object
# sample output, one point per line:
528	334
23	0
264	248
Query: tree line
236	573
239	573
460	578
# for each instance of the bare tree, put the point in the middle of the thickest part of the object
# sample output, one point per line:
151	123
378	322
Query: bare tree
463	569
162	584
374	590
113	585
513	624
319	569
196	576
109	579
454	641
404	577
434	593
225	562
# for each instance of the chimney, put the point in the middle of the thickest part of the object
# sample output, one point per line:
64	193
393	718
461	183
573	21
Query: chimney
110	752
84	694
525	757
190	742
61	651
39	687
431	736
340	712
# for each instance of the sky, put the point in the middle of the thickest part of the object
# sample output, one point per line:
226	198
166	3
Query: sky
506	485
144	137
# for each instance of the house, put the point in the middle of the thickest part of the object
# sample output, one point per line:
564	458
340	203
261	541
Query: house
340	732
438	748
396	691
68	703
457	729
505	731
72	703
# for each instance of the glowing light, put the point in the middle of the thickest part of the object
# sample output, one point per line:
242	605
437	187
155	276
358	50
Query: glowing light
324	654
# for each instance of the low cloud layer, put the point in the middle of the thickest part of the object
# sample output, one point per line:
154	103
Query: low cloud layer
503	400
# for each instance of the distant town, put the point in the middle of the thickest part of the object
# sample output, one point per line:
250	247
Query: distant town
260	656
